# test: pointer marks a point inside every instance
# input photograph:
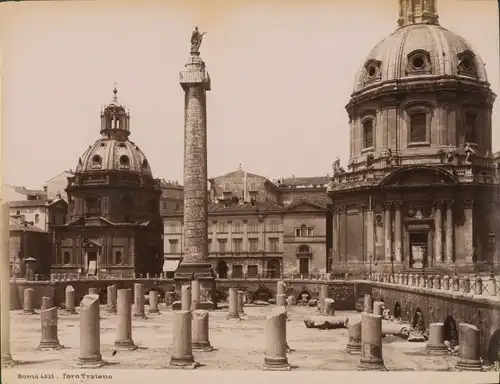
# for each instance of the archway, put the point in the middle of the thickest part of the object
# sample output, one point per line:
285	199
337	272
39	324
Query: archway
494	347
222	269
418	322
262	294
304	292
450	330
273	269
397	311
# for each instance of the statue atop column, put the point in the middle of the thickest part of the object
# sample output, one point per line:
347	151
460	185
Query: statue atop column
196	38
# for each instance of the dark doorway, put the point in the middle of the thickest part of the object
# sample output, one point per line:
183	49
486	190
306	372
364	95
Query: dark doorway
222	269
419	248
237	271
451	331
418	322
262	294
397	311
494	347
304	267
92	262
273	269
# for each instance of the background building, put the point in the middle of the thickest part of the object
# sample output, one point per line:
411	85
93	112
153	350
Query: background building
421	188
114	225
260	228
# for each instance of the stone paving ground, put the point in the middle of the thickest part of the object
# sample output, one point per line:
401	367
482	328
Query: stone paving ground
239	345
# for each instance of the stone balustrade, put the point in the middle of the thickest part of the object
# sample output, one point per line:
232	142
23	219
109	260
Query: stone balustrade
487	286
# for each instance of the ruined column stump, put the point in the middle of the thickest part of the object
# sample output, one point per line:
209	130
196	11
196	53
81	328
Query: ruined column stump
354	345
139	301
90	333
276	345
323	294
328	307
195	294
233	304
182	355
69	300
28	302
47	303
368	304
124	332
371	342
111	307
378	308
48	320
186	298
281	300
93	291
153	302
435	344
241	311
468	352
200	336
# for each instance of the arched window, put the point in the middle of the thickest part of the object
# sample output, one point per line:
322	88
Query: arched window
66	258
37	218
368	134
418	127
470	127
118	257
124	161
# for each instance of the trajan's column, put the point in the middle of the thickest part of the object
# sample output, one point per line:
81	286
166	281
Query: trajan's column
195	82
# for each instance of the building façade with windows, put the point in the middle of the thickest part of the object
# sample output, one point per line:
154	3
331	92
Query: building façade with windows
420	192
114	225
260	228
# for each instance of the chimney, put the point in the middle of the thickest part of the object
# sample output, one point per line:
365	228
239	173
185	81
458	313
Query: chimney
45	188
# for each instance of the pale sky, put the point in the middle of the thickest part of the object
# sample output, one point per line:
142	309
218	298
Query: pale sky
281	73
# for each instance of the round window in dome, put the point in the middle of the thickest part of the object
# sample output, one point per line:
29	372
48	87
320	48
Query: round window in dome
418	62
145	164
124	161
467	63
372	71
96	159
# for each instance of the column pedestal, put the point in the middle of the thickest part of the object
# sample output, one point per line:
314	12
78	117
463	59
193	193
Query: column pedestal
202	272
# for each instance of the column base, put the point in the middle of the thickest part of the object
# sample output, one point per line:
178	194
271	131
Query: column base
139	316
233	316
69	311
353	348
126	344
203	272
8	361
203	346
90	363
28	312
186	362
154	311
276	364
436	350
50	345
372	364
241	313
469	365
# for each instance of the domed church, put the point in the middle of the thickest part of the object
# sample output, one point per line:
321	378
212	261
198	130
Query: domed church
114	225
420	191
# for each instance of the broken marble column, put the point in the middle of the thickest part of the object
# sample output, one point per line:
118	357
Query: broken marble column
93	291
124	308
354	345
280	288
276	345
200	336
233	304
90	333
69	300
328	307
47	302
468	352
182	355
371	342
241	311
323	294
281	300
49	339
378	308
195	294
435	344
139	300
28	301
5	298
186	298
368	303
111	296
153	302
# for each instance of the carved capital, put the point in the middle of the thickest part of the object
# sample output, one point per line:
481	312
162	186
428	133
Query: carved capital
398	204
438	203
449	203
387	205
244	221
363	207
468	204
230	221
343	208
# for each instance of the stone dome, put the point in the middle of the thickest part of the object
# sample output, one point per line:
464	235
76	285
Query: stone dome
419	51
114	155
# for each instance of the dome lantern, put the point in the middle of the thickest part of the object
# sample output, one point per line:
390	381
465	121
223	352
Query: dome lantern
115	121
